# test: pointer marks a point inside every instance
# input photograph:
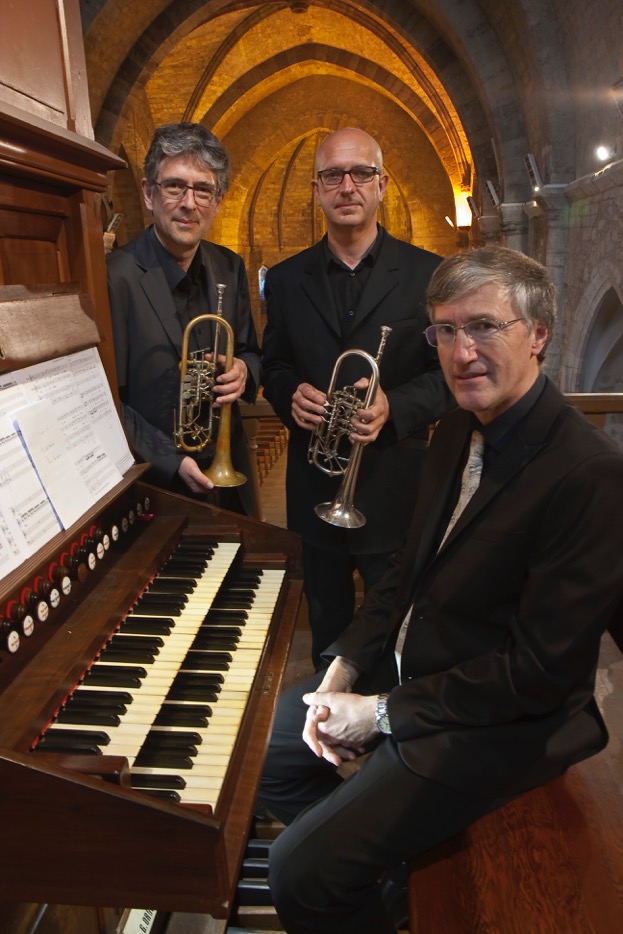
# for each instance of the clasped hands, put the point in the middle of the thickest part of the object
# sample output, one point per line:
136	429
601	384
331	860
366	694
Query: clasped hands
339	724
308	409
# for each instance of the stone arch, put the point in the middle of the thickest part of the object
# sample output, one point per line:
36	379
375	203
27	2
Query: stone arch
599	313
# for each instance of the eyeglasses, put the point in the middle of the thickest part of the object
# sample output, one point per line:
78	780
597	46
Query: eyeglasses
360	175
175	190
479	331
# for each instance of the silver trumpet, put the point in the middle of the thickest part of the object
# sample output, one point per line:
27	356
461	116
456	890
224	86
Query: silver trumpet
197	379
329	448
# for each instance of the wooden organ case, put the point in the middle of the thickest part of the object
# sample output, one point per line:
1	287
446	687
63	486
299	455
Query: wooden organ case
74	830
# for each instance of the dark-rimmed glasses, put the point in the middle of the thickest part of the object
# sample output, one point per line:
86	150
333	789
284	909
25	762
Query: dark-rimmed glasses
360	175
480	331
175	190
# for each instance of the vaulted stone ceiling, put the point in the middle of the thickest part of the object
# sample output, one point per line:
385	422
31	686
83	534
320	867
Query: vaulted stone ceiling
437	83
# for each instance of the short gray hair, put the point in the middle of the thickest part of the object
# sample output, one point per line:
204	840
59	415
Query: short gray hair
188	139
525	281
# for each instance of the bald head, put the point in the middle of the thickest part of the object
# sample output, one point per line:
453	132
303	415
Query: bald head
348	138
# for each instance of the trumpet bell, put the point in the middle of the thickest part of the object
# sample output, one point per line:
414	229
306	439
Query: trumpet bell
340	513
224	475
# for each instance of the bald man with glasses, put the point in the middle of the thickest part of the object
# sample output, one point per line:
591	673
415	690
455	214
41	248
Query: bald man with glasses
335	297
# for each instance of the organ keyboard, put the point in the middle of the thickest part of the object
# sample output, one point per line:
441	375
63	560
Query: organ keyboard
134	720
171	702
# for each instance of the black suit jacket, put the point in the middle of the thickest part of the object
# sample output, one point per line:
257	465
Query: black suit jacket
302	342
148	344
499	662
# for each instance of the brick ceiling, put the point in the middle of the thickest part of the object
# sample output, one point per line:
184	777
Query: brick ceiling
271	78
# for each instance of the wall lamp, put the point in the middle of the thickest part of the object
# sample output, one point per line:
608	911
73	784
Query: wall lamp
533	209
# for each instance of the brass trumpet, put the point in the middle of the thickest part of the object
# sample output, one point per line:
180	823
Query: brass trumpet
332	433
197	379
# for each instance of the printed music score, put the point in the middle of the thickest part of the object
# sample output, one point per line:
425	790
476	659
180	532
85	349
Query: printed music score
62	447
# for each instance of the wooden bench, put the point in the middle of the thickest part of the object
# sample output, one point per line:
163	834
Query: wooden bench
549	862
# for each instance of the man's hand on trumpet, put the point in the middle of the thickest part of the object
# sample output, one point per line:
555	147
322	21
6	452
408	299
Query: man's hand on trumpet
230	386
367	423
308	406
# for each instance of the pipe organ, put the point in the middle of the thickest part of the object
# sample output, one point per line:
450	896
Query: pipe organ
143	642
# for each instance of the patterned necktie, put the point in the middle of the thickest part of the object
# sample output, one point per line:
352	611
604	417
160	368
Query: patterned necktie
469	480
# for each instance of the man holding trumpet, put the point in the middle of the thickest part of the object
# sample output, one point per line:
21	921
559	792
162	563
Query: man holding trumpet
160	282
333	297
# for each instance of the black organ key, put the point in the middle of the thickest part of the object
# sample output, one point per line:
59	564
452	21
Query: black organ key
157	781
234	603
207	661
168	745
70	738
226	617
193	692
184	715
211	640
172	585
129	655
163	760
115	676
178	600
118	698
49	744
184	566
160	604
153	625
88	716
114	710
162	793
174	738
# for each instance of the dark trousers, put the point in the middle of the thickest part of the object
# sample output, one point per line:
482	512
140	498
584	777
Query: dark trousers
330	591
343	835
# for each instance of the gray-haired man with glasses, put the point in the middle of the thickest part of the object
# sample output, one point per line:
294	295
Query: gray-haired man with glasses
160	282
336	296
468	672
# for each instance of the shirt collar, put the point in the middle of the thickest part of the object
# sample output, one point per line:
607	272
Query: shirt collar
498	432
368	258
172	270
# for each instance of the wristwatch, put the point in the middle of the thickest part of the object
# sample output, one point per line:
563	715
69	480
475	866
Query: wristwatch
381	718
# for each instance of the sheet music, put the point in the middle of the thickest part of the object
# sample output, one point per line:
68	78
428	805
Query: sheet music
55	464
62	447
80	379
27	520
97	399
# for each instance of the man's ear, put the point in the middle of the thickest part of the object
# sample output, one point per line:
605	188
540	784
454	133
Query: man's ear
146	193
540	335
